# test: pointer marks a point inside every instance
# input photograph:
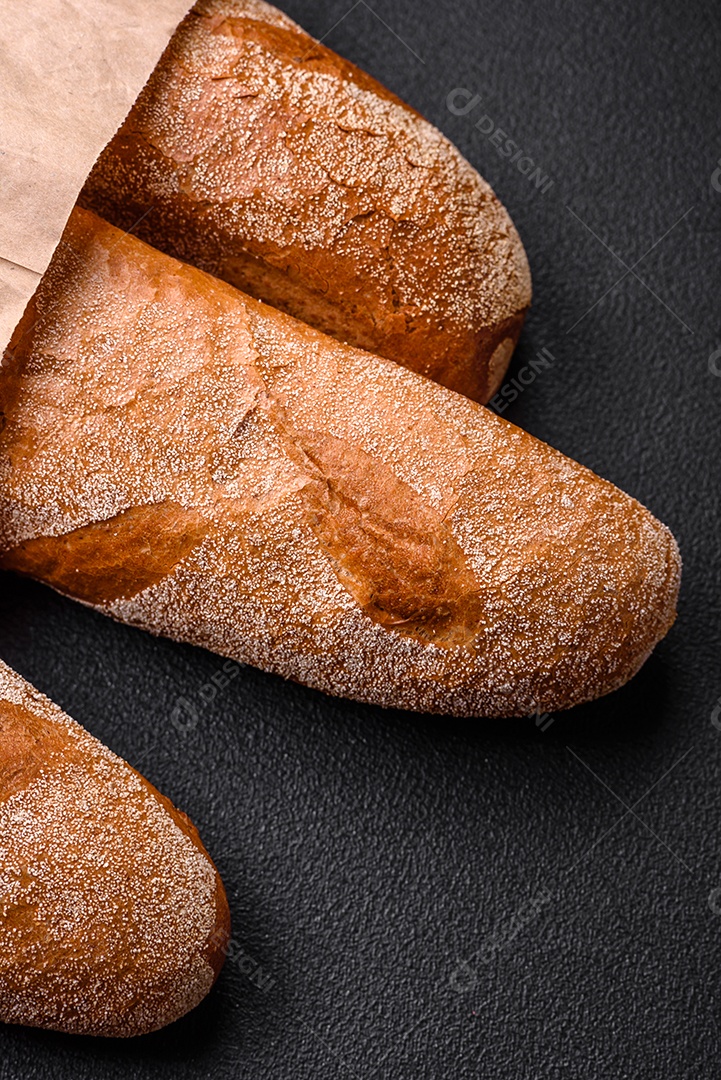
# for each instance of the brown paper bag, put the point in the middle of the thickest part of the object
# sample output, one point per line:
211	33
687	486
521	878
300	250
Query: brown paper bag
70	71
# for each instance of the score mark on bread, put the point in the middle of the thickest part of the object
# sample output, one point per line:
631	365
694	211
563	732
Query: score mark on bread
114	559
393	553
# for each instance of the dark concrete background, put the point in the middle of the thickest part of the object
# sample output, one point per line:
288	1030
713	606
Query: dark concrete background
468	899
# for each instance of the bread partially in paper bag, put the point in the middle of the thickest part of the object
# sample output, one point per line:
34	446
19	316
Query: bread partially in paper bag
197	463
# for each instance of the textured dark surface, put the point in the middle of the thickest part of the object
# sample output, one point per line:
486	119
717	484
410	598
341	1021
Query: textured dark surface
368	854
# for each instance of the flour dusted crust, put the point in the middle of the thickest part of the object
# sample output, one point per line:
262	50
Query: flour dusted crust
197	463
113	920
264	158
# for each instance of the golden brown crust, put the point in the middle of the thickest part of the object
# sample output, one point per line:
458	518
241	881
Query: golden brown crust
113	920
264	158
350	525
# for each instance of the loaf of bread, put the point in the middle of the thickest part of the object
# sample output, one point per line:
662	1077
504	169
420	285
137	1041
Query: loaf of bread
259	155
194	462
113	920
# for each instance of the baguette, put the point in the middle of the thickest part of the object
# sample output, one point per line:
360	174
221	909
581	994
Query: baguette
264	158
113	920
192	461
